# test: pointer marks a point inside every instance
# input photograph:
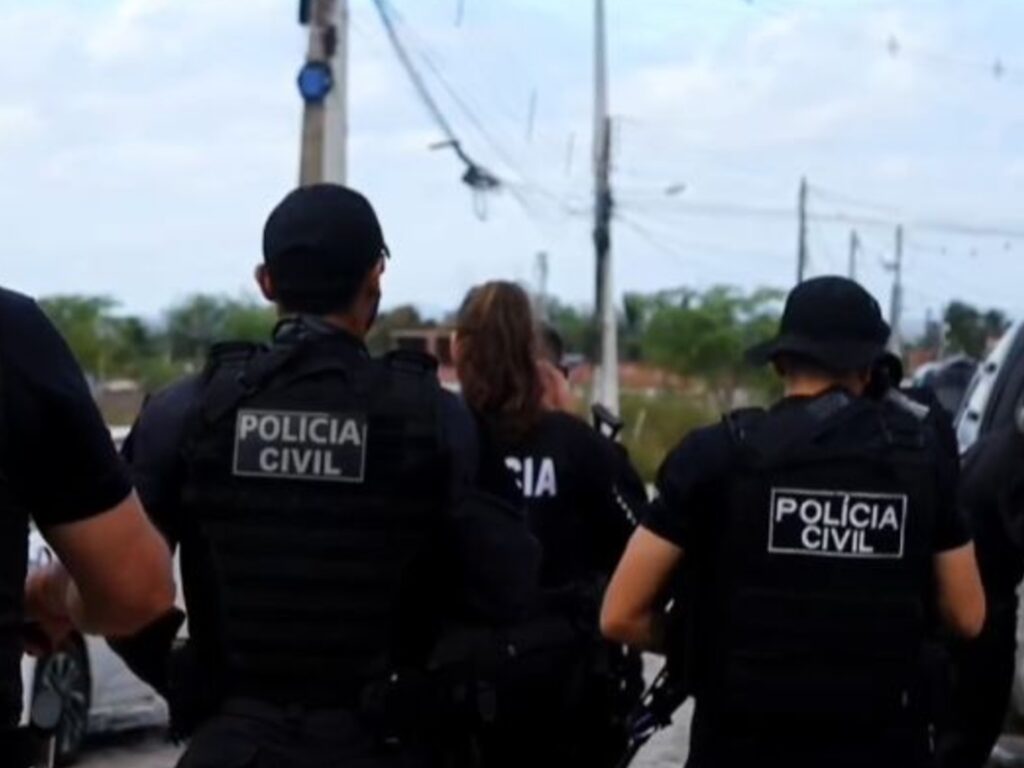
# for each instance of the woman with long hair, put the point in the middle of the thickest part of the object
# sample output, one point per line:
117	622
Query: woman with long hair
579	497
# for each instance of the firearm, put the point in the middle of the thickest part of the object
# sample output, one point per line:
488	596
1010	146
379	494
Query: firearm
673	684
666	694
606	422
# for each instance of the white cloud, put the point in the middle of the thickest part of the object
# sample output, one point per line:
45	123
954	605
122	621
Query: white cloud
17	123
163	130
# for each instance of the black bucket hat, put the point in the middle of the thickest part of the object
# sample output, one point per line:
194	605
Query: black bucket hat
832	321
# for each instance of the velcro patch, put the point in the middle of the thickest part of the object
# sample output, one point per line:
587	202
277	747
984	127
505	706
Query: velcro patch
295	445
837	523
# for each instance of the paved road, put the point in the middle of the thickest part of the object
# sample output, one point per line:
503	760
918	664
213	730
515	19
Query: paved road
148	749
133	750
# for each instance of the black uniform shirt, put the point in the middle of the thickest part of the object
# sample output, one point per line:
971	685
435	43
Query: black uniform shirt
691	485
582	495
58	460
992	495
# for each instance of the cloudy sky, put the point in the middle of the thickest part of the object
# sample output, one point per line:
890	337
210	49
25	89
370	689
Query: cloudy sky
142	142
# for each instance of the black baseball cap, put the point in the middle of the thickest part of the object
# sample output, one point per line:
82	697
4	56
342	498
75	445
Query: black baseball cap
831	321
319	244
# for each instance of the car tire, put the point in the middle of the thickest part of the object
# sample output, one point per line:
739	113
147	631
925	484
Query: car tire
66	673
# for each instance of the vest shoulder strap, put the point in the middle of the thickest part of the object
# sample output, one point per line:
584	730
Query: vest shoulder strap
235	370
742	421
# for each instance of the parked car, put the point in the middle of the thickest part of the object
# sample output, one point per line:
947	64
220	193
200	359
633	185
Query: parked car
995	390
949	379
98	693
991	401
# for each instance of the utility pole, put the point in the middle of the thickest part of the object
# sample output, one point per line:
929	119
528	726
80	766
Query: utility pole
896	298
323	84
801	247
606	380
851	269
541	298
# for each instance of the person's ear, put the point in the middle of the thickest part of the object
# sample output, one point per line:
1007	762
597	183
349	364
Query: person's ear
266	283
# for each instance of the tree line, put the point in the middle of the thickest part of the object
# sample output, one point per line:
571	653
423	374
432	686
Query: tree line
698	334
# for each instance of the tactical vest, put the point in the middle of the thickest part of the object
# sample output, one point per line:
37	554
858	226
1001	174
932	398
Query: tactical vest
822	564
13	564
316	483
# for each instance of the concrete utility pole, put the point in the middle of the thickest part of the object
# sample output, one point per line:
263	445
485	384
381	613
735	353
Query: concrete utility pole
606	380
896	299
851	269
541	298
323	84
801	246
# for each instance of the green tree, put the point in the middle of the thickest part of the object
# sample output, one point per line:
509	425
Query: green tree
195	324
968	329
86	324
705	335
576	325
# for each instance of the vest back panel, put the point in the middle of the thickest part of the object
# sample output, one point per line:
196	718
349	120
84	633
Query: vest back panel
822	566
318	497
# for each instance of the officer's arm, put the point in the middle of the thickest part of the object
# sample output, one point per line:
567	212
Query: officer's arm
959	591
633	605
119	567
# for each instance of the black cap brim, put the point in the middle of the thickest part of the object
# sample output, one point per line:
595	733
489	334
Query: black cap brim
833	355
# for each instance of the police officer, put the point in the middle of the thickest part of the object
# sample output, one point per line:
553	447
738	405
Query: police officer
59	468
322	505
992	495
581	498
814	532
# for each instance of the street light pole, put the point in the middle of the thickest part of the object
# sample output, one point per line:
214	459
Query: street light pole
606	381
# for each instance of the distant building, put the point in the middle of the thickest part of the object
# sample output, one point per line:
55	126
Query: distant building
433	341
119	400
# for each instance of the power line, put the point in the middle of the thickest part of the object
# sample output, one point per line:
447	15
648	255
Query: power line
896	47
476	176
740	210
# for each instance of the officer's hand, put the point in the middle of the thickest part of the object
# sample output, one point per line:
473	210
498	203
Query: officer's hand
556	395
49	623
